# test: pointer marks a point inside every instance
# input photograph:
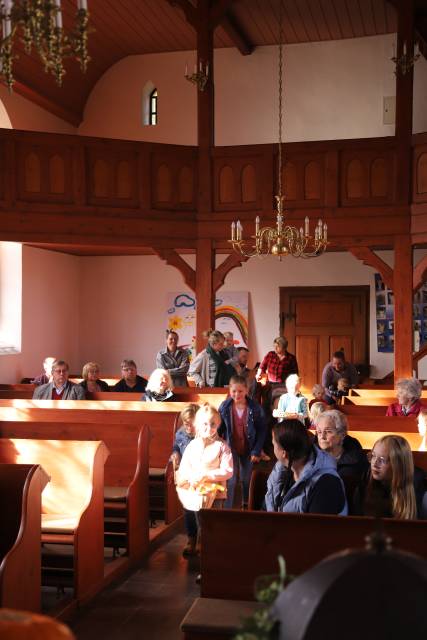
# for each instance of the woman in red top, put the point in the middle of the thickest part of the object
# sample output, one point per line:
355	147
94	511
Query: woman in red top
408	393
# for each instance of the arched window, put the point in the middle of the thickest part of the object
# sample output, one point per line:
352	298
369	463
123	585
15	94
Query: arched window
153	107
149	104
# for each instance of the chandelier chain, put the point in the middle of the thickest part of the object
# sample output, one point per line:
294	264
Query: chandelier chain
280	96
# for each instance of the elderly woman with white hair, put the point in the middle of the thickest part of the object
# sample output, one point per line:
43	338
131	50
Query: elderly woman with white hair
332	437
159	387
408	394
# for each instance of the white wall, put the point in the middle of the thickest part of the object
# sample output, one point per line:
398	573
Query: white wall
114	108
17	112
50	314
333	90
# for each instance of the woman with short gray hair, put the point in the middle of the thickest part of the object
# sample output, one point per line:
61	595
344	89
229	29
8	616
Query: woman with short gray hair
408	394
332	437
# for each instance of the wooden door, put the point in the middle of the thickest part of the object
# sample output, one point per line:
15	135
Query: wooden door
320	320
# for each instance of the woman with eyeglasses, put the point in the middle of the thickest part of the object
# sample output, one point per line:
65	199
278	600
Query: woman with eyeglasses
391	489
304	479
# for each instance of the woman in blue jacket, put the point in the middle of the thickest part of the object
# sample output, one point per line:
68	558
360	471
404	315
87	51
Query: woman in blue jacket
304	479
243	427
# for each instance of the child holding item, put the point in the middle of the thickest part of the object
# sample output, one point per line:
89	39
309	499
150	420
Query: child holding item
206	465
244	428
184	435
292	404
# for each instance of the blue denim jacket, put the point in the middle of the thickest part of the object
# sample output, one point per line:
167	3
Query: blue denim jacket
182	439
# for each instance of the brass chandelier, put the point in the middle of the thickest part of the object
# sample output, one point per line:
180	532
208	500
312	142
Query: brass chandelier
39	25
281	240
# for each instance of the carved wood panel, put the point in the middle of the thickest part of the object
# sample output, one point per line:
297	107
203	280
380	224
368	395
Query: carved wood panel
303	179
44	173
420	174
367	177
173	180
112	176
237	183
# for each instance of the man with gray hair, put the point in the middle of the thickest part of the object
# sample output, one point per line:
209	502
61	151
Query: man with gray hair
60	388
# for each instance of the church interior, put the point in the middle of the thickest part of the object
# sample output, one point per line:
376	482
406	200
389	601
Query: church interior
147	191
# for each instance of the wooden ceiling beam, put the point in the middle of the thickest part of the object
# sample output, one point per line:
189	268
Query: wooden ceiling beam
189	10
235	33
45	103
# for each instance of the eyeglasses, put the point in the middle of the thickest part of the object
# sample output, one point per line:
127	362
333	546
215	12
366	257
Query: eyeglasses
380	460
326	432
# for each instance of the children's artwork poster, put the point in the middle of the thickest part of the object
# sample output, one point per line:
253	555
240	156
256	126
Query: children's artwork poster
384	303
420	317
231	314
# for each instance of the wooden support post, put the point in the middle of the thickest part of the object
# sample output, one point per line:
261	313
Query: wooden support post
403	322
205	295
404	99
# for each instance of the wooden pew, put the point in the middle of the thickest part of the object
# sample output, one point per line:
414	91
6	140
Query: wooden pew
72	508
362	410
387	424
126	475
189	396
239	546
379	392
368	438
21	487
161	418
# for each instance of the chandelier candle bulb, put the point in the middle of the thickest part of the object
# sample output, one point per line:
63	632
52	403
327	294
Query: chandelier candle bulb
325	232
301	232
404	48
233	229
306	225
58	15
82	4
257	225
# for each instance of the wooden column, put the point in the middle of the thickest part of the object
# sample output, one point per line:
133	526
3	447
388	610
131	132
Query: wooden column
205	295
404	100
205	257
403	322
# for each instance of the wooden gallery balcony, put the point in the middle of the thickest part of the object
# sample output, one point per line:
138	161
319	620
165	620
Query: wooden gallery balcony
65	189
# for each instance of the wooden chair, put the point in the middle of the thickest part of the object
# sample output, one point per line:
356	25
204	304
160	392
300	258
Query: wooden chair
21	487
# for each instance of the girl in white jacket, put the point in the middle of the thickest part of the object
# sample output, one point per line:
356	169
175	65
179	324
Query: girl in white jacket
206	465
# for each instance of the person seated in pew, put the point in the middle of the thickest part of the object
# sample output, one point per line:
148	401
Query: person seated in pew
212	367
337	368
393	487
184	435
408	394
292	404
304	478
60	388
174	359
45	377
159	387
320	395
243	427
332	437
131	382
91	382
315	412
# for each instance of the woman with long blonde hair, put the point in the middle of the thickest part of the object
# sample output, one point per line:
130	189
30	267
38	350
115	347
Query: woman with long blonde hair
389	489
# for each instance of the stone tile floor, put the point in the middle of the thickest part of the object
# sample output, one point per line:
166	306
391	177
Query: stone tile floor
149	604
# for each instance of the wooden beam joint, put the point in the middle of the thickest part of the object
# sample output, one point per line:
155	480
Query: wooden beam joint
368	257
171	257
231	262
